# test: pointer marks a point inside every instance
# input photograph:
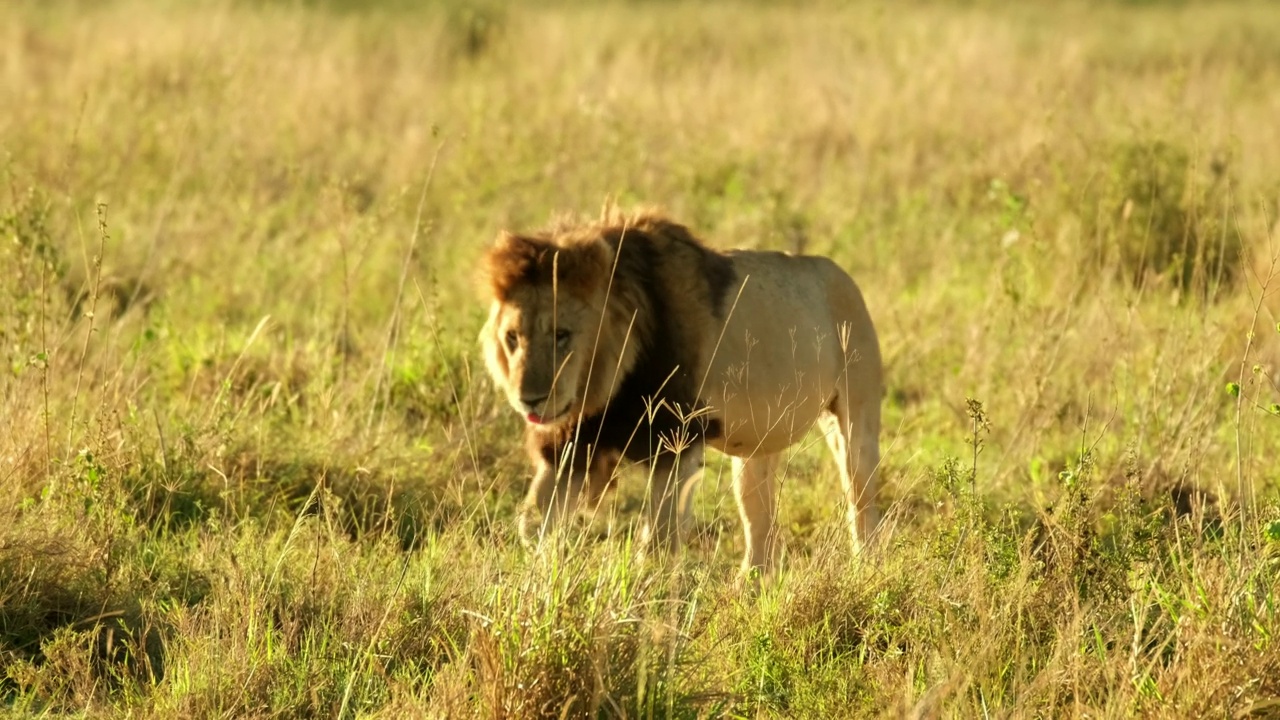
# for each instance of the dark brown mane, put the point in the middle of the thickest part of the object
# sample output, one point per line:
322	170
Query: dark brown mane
666	286
580	253
577	264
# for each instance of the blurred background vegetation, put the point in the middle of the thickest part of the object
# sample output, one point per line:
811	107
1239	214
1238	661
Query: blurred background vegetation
251	466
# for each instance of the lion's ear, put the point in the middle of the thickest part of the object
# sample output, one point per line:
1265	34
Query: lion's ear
506	238
585	268
509	261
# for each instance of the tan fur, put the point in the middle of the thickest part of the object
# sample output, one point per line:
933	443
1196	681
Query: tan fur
743	351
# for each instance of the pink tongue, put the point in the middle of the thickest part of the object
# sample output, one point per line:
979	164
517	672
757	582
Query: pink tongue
534	418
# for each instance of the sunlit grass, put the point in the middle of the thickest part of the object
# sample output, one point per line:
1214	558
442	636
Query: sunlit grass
268	478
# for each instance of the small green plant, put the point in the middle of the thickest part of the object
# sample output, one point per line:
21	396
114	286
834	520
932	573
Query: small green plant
1272	531
1160	214
31	267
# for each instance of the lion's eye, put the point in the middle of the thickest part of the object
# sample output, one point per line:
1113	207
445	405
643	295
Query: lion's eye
513	340
562	338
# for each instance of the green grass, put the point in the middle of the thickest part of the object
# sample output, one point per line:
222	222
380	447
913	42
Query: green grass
250	465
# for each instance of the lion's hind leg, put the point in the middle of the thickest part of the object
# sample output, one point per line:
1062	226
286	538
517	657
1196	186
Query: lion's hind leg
853	434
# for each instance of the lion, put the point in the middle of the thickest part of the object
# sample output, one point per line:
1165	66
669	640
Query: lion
629	339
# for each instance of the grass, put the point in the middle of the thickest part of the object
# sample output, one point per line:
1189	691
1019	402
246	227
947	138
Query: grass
251	466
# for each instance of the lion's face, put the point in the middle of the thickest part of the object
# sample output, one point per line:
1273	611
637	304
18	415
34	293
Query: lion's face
557	341
538	345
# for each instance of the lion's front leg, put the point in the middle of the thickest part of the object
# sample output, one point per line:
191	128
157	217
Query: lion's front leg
757	505
565	481
672	477
540	512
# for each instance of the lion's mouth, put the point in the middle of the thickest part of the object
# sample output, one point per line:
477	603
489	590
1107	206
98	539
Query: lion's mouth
547	417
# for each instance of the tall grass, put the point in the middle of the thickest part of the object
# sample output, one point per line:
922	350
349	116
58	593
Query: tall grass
250	466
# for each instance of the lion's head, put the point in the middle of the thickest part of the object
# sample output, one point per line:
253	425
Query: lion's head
552	341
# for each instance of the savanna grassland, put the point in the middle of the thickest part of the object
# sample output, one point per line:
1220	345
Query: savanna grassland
250	465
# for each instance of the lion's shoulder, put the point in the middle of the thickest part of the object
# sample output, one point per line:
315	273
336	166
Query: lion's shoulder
690	275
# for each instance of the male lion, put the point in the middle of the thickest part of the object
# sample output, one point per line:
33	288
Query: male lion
628	338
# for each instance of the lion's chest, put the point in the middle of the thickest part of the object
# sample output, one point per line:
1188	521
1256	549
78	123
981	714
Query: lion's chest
655	410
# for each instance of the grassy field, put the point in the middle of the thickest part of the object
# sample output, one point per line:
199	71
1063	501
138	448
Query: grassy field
250	465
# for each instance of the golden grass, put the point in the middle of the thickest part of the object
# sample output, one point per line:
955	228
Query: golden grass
267	478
